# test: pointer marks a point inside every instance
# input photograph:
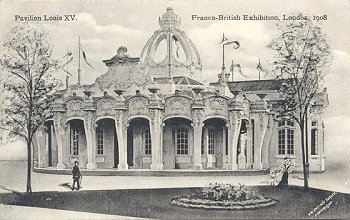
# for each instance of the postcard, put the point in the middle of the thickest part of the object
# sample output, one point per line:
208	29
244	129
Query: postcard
174	109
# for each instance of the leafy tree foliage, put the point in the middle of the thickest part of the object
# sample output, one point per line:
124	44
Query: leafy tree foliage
29	85
301	61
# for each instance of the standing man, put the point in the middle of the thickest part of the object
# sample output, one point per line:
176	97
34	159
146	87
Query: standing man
76	175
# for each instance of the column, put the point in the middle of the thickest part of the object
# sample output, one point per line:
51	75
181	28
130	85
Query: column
233	135
156	138
242	156
91	145
58	125
68	144
197	136
205	145
249	147
261	133
122	140
224	158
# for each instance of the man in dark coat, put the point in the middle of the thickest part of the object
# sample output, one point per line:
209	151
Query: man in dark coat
76	175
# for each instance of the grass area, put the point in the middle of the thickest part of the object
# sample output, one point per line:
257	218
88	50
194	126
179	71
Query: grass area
293	203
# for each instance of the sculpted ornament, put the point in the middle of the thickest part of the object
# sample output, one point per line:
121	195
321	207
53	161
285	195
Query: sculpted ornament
138	105
178	106
217	105
74	108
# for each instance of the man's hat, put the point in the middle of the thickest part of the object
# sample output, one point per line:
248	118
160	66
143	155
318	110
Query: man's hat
76	162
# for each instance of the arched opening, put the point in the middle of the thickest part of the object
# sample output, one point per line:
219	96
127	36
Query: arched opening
177	143
244	149
178	50
107	150
161	50
77	146
139	144
214	144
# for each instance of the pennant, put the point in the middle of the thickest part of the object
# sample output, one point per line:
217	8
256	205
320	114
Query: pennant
239	69
69	56
260	68
224	39
84	56
226	42
177	45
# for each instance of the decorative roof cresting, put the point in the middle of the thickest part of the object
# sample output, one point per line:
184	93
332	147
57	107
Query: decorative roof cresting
169	19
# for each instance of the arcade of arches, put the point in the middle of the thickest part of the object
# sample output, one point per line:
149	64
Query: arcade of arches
153	113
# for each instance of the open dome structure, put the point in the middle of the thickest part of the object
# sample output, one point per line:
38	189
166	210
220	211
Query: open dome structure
180	56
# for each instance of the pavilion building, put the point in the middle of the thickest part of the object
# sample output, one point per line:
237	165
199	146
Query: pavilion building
146	113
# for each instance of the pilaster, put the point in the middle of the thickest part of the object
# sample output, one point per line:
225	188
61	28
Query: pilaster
90	109
197	116
156	128
58	126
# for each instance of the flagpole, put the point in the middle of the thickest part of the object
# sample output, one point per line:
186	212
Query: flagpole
223	53
67	76
79	70
259	69
232	70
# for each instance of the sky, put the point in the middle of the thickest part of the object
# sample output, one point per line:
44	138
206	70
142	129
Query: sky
103	26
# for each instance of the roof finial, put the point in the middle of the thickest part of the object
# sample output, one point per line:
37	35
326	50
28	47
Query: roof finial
169	19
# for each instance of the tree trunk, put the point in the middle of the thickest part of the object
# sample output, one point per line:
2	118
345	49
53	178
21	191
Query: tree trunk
29	167
307	164
306	184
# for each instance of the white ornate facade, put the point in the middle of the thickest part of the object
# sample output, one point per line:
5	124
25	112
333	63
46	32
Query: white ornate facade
144	114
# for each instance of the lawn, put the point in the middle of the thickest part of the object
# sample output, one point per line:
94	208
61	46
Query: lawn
293	203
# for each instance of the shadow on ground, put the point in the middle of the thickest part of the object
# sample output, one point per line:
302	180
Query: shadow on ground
293	202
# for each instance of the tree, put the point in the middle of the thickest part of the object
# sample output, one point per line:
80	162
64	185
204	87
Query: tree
29	85
301	61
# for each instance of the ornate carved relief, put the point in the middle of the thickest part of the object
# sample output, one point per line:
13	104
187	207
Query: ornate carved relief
138	106
178	106
105	107
261	119
216	106
197	117
74	108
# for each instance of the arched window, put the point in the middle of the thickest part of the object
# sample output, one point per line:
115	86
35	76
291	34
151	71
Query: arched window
211	149
148	142
99	134
181	141
314	137
286	137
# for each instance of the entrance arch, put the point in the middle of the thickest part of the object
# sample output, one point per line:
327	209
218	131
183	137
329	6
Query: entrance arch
214	143
177	143
139	144
107	150
76	142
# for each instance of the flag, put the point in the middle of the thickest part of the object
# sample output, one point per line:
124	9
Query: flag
177	45
260	68
69	56
224	39
84	55
239	69
225	42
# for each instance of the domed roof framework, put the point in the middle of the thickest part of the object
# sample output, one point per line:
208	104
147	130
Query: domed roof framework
171	65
